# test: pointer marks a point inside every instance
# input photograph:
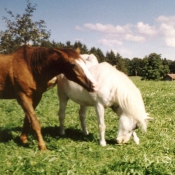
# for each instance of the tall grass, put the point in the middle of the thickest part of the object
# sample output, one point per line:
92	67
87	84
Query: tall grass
76	154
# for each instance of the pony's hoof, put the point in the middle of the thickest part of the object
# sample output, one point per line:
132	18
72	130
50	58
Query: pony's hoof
86	133
62	132
103	143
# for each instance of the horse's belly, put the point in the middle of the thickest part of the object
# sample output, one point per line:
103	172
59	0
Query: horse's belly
7	93
81	96
6	90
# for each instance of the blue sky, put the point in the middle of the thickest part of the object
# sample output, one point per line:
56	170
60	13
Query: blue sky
132	28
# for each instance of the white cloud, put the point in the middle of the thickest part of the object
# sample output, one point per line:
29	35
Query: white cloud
78	28
170	41
125	38
135	38
108	28
167	29
115	35
146	29
110	42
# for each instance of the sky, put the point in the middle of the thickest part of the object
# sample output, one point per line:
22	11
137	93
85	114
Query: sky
132	28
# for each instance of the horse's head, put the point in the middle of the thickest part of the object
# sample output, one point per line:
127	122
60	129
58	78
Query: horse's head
75	70
127	127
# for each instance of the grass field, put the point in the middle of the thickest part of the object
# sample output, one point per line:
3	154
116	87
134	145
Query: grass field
76	154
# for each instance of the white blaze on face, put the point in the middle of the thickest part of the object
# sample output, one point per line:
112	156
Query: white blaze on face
82	64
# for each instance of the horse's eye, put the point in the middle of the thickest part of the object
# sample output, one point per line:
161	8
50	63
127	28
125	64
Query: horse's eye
73	66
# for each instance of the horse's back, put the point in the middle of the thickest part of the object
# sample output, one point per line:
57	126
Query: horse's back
108	75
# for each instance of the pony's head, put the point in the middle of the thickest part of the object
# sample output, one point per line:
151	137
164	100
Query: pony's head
75	69
127	127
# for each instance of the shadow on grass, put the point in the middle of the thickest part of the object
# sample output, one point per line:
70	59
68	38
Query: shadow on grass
7	135
13	134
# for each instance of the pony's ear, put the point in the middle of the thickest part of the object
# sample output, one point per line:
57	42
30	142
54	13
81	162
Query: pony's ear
78	50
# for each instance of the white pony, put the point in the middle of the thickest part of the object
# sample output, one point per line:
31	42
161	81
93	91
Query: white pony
115	90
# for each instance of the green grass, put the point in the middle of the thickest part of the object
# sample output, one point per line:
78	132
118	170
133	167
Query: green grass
76	154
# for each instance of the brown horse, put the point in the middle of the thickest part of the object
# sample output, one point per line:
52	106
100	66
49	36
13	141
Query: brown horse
24	76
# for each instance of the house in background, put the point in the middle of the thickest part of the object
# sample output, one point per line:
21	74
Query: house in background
169	77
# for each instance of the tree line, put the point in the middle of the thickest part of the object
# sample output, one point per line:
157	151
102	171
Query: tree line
22	30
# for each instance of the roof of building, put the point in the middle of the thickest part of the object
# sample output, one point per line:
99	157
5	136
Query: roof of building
171	75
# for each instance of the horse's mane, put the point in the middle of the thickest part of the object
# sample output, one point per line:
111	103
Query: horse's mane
70	52
39	56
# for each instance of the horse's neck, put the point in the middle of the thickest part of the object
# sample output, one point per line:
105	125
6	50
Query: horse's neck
50	70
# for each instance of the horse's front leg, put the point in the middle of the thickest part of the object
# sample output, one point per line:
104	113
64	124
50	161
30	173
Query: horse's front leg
61	114
82	116
28	106
101	123
135	138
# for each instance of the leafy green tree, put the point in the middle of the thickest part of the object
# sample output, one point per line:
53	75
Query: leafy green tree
128	63
22	30
136	66
152	69
116	60
82	47
120	64
98	53
111	58
172	66
164	67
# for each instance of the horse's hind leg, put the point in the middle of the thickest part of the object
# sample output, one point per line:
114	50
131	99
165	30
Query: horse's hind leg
25	130
28	106
82	115
61	113
101	123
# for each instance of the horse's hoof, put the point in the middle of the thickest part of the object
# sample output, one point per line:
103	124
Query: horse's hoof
86	133
62	133
42	148
103	143
23	139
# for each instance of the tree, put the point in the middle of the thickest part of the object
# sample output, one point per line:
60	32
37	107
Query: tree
22	30
172	66
111	58
128	64
82	47
98	53
152	69
164	67
136	67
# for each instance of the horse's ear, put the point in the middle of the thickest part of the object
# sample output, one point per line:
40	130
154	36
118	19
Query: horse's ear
78	50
